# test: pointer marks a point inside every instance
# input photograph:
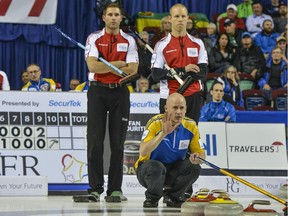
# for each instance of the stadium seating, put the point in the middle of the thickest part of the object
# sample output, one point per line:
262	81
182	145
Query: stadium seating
246	81
253	98
279	98
262	108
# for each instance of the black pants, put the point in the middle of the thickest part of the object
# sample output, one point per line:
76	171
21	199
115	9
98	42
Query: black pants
194	103
154	175
100	101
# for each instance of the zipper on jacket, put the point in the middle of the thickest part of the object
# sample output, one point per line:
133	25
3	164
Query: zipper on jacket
181	45
174	140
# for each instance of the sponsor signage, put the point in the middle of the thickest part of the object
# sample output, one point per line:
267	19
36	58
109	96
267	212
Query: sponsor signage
235	188
28	11
256	146
23	186
44	134
213	137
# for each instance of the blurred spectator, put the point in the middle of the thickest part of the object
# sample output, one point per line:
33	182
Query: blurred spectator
145	55
190	25
212	33
4	82
211	38
272	8
249	58
24	77
254	22
232	15
83	87
217	109
74	83
233	33
191	29
275	76
281	21
221	56
266	39
164	29
282	43
285	33
36	81
243	10
143	85
232	91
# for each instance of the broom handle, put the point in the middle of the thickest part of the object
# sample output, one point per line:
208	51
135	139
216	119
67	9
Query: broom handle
243	181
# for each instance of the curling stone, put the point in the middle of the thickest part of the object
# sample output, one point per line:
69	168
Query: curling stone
250	210
283	191
223	205
194	206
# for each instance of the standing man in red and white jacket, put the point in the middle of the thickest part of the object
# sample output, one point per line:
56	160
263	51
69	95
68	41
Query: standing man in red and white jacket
187	55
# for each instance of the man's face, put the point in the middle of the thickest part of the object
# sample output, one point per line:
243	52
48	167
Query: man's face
282	44
230	29
34	73
178	18
267	27
283	10
257	9
210	30
277	54
112	18
217	92
246	41
231	14
177	108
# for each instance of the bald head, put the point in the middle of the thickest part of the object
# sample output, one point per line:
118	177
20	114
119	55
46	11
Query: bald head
176	107
178	18
175	97
178	7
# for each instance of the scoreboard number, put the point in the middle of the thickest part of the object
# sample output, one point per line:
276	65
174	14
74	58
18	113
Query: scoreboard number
42	130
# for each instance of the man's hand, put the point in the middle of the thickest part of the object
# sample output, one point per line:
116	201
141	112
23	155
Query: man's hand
254	73
167	124
194	158
128	79
227	118
266	87
192	68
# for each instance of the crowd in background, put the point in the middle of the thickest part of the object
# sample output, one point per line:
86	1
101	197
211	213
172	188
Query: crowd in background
246	40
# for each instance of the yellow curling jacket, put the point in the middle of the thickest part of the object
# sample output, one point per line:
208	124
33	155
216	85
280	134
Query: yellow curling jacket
44	84
174	147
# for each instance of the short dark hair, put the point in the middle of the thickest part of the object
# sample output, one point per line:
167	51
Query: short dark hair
266	20
112	5
256	2
214	83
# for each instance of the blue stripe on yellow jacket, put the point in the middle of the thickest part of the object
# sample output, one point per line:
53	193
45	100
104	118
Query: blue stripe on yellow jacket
175	145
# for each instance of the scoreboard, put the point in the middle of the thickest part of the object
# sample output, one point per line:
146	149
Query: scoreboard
42	130
44	133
